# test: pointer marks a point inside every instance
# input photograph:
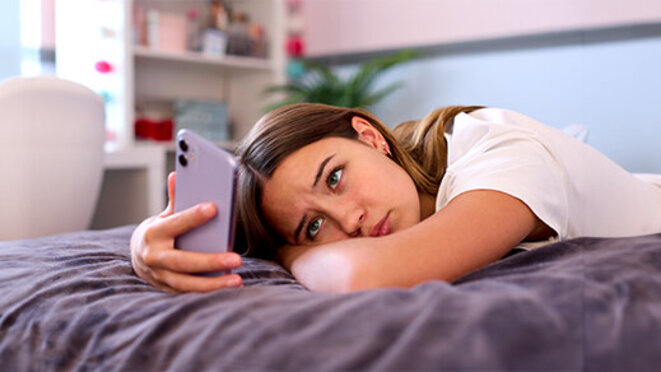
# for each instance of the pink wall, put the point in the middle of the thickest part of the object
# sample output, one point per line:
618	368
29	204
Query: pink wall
346	26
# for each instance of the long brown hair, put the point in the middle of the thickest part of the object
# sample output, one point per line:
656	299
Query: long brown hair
417	146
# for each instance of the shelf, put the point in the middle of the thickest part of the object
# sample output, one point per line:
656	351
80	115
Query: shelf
250	63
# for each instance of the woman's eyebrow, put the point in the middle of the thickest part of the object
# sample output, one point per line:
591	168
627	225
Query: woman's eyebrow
297	233
320	171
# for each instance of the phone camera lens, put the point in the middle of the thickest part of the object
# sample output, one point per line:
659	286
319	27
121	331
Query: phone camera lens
183	145
183	161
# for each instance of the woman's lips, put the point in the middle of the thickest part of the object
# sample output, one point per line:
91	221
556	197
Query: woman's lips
382	227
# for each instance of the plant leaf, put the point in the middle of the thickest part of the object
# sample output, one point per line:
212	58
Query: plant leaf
321	85
291	88
362	80
324	72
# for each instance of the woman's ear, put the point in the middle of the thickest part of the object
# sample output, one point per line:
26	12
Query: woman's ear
366	132
370	135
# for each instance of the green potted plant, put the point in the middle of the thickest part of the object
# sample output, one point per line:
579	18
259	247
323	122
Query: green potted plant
321	85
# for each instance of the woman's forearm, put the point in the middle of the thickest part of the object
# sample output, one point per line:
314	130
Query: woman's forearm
347	265
476	228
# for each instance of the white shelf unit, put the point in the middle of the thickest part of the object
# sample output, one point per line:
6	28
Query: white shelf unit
103	30
228	61
142	74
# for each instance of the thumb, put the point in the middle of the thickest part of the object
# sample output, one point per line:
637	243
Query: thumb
169	210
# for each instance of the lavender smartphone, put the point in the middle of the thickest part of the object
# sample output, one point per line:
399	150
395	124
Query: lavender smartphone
205	173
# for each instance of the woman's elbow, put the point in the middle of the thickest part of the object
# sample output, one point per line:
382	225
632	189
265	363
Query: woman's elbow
342	276
330	272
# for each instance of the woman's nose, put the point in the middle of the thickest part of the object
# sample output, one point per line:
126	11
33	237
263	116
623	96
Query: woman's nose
349	216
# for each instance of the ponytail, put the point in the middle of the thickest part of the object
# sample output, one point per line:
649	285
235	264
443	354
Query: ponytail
424	140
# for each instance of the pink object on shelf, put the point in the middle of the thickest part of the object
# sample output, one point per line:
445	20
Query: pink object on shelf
295	46
172	31
103	67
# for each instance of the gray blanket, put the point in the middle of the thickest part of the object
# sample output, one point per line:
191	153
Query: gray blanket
72	302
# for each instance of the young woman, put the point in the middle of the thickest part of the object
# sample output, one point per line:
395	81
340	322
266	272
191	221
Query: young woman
345	204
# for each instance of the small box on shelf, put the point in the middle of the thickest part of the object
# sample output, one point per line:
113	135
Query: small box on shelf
209	119
214	43
166	31
154	121
146	129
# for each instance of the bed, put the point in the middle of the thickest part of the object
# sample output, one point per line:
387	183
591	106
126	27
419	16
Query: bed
72	302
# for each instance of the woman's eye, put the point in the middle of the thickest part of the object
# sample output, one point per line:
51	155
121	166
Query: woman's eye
314	227
334	178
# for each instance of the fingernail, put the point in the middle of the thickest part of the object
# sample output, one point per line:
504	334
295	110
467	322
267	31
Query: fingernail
208	209
233	260
234	281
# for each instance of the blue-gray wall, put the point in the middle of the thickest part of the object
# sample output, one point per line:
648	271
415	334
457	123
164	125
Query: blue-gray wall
10	42
612	87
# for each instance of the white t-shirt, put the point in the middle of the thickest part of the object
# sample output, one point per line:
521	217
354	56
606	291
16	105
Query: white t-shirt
569	185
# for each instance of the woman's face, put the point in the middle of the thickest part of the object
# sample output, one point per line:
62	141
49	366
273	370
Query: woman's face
338	188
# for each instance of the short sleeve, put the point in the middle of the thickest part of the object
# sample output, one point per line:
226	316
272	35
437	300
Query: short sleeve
511	160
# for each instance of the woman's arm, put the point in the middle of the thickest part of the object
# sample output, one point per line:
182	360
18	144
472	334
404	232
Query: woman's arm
473	230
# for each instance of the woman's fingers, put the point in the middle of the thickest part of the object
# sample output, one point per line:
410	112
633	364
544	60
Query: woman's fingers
194	262
184	221
190	283
172	180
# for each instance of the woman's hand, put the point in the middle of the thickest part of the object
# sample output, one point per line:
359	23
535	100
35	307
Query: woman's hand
155	259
